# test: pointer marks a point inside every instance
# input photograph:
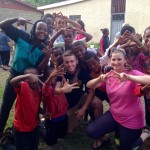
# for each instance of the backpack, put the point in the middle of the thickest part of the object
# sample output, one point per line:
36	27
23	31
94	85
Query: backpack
8	140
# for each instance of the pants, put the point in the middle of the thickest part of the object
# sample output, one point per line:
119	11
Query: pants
106	124
9	97
5	56
55	130
26	140
147	110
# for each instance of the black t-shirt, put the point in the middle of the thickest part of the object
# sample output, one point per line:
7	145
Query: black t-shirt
74	96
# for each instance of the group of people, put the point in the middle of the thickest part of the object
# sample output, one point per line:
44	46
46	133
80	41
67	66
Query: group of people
54	74
5	48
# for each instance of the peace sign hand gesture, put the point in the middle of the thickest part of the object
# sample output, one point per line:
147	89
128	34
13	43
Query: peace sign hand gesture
67	88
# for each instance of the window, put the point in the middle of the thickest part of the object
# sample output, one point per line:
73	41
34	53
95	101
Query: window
75	17
117	16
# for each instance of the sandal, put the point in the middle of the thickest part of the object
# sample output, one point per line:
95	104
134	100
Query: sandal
96	144
146	129
100	142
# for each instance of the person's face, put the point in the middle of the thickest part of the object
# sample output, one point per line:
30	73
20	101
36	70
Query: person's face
147	36
107	33
118	61
50	24
147	67
80	52
133	50
41	31
93	65
68	38
70	63
58	55
60	23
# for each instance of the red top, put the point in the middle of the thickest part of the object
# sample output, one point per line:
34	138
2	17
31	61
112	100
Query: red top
101	45
56	105
137	91
26	108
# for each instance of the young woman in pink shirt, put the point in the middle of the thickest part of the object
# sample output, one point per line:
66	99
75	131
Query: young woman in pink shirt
126	113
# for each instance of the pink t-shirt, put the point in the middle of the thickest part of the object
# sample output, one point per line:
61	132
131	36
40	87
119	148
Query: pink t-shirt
126	108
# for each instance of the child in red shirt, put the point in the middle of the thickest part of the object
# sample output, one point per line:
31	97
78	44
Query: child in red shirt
56	108
26	109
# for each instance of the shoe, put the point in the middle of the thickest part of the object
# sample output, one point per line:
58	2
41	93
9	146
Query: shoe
6	68
100	143
146	129
96	144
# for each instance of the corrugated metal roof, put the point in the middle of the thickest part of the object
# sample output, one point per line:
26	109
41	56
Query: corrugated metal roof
59	4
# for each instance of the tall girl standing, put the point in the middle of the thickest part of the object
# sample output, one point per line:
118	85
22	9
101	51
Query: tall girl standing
29	52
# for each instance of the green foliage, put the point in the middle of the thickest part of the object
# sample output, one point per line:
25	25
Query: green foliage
42	2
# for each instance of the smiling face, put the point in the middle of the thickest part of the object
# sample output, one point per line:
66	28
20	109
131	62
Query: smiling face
70	63
80	52
50	24
68	38
60	23
147	36
57	55
41	31
94	65
118	61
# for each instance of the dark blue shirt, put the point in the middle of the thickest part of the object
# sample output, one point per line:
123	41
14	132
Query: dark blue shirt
4	39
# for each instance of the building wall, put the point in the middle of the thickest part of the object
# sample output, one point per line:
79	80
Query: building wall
138	14
96	14
9	13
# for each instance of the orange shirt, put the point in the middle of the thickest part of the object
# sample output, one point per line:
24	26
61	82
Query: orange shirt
26	108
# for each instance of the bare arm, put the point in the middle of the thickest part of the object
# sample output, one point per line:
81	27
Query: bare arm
15	81
54	74
75	24
66	88
93	83
44	62
85	34
55	36
80	113
28	77
144	80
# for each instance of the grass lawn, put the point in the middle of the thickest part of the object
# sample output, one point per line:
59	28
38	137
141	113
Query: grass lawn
76	141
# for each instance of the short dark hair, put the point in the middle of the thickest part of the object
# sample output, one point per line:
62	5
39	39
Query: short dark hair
125	28
104	30
57	47
90	55
48	15
77	44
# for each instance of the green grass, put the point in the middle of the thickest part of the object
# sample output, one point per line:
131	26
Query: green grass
76	141
96	45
